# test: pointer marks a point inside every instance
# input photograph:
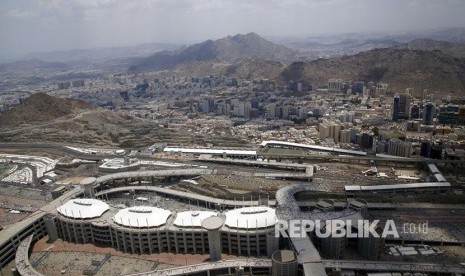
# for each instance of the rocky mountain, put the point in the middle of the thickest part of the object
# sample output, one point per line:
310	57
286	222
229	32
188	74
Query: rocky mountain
401	68
228	49
243	69
425	44
40	108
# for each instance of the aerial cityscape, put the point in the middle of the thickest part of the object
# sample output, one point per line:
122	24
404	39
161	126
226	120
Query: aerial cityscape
214	138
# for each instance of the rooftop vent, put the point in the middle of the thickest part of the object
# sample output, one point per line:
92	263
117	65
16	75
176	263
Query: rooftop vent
140	210
82	202
253	211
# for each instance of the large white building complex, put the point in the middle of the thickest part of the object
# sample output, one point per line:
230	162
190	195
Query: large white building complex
147	230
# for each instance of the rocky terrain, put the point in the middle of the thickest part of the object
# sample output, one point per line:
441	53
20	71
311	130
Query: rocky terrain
453	49
400	68
246	69
229	49
65	121
41	108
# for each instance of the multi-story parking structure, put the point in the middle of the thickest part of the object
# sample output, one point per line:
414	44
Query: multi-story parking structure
147	229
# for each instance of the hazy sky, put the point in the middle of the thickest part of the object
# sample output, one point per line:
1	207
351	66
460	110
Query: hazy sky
45	25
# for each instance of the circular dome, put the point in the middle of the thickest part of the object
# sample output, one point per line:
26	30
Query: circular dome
212	223
191	218
251	217
83	208
142	217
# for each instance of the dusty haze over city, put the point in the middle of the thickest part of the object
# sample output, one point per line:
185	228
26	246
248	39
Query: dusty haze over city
45	25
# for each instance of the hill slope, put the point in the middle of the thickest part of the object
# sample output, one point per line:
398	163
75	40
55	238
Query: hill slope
244	69
41	107
47	119
452	49
401	68
229	49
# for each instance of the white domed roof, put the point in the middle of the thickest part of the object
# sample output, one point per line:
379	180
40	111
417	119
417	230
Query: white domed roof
251	217
83	208
142	217
192	218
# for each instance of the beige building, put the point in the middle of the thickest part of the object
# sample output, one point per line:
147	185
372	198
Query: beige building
146	229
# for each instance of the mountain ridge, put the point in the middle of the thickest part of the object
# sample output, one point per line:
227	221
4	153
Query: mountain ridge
427	44
229	49
400	68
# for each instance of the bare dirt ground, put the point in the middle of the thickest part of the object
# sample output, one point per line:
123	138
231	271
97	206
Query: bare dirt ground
8	202
74	258
7	218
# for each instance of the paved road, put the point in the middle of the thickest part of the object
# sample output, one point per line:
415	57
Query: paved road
204	267
186	195
387	205
395	266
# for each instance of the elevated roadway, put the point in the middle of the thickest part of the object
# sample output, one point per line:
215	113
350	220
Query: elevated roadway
180	194
256	163
283	154
22	262
271	153
395	266
288	209
228	266
55	148
390	205
154	173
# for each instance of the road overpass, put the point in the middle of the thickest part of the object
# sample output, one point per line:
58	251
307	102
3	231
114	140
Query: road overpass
152	174
389	205
228	267
209	201
395	266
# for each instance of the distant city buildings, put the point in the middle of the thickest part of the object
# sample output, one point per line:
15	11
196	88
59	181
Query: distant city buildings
428	114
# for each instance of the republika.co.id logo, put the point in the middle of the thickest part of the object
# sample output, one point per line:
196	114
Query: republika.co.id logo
343	228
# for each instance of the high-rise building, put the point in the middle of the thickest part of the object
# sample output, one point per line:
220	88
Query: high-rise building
367	140
335	85
398	147
334	131
396	108
448	114
429	112
345	136
346	117
405	106
425	148
401	107
415	113
323	128
357	87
